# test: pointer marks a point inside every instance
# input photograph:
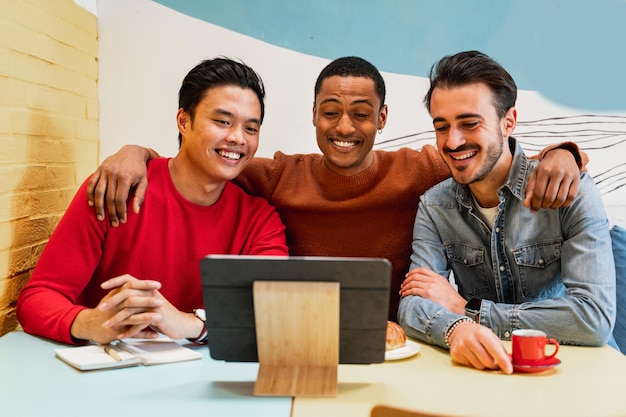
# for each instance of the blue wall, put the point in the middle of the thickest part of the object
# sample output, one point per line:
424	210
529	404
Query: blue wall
569	50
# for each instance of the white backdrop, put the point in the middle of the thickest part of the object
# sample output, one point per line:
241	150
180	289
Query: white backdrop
146	49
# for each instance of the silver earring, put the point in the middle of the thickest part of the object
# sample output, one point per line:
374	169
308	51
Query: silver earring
380	131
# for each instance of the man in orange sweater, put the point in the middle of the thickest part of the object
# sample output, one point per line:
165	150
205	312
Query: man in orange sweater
350	200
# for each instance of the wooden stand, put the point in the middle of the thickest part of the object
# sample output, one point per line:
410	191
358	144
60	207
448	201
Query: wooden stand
297	331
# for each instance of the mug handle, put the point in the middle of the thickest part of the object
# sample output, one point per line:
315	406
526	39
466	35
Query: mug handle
553	342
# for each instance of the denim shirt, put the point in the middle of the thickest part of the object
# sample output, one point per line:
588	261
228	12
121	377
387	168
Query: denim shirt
552	270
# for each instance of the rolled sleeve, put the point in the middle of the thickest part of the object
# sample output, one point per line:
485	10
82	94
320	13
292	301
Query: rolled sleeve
425	320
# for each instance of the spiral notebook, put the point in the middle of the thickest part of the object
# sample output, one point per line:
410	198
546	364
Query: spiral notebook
126	353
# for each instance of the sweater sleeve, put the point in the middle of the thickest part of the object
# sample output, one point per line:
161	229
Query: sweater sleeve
581	157
269	234
439	168
50	301
259	177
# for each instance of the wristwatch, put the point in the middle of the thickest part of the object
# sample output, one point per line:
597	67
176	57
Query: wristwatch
472	308
204	335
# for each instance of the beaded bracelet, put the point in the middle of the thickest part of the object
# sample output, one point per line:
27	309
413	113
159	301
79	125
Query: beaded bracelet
453	326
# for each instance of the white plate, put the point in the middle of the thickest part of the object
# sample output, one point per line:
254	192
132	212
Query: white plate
410	349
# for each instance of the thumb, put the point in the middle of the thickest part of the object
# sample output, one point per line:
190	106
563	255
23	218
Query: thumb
530	188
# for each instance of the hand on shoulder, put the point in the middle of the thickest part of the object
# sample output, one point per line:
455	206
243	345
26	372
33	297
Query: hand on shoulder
110	185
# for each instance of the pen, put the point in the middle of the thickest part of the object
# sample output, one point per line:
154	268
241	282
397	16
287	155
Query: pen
110	350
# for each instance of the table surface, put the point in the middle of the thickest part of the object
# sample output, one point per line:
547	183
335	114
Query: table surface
589	382
33	382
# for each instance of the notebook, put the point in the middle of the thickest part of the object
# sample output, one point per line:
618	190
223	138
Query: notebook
126	353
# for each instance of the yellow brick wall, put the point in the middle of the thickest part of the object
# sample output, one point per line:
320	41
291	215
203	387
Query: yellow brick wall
49	134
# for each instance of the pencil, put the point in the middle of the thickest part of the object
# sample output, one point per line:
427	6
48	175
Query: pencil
110	350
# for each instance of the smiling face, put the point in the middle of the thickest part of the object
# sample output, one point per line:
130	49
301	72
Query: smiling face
221	139
471	138
346	114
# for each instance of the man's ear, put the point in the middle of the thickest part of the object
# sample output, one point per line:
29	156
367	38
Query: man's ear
382	117
314	113
183	121
509	121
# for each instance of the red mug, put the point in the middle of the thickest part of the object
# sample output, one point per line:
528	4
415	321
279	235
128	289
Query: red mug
529	347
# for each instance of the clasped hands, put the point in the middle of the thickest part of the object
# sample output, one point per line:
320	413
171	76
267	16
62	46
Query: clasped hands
133	308
471	344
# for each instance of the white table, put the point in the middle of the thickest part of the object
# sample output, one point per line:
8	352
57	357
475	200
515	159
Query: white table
33	382
589	382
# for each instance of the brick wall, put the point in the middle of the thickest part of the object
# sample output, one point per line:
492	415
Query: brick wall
49	134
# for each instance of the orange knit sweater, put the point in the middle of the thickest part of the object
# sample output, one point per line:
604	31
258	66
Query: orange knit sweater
367	215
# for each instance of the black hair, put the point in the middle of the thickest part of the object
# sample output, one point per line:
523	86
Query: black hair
217	72
474	67
352	66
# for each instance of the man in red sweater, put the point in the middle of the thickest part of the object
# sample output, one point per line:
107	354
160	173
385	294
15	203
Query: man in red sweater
350	200
97	283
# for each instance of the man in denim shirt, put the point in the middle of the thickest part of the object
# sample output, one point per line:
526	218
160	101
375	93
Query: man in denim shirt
551	270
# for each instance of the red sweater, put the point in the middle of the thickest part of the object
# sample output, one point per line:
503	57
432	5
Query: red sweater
366	215
165	242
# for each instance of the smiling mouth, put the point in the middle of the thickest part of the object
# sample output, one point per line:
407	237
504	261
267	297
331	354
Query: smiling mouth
234	156
344	144
463	156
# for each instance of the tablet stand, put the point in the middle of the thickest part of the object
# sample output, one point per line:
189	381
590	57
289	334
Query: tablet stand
297	330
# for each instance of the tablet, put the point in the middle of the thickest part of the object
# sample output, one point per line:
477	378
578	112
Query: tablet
364	284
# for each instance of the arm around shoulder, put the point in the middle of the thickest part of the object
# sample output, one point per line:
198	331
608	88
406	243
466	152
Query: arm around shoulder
260	176
555	182
581	158
110	185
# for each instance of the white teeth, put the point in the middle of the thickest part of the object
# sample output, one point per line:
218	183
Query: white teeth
343	144
464	156
230	155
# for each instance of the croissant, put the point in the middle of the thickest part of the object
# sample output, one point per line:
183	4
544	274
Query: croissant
396	337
